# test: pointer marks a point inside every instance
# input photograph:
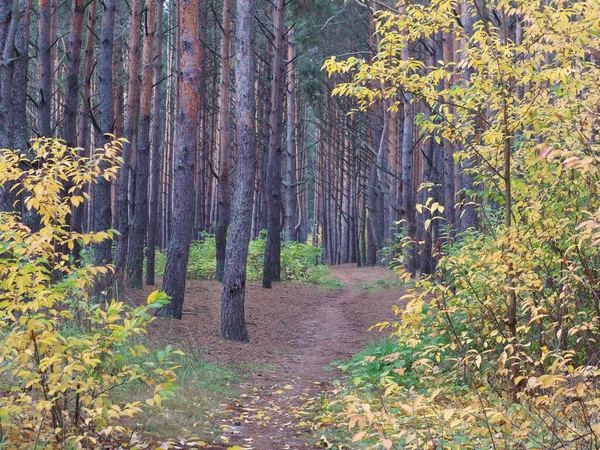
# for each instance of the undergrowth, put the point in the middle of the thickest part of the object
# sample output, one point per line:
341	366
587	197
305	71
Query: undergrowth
299	262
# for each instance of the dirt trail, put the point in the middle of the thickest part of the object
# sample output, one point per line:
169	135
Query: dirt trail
296	332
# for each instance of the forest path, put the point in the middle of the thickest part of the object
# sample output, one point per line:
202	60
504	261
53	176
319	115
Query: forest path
296	332
322	327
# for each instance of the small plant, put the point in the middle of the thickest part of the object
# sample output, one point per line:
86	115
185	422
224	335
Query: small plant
61	360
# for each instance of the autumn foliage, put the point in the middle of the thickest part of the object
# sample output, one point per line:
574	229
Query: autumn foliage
67	362
503	338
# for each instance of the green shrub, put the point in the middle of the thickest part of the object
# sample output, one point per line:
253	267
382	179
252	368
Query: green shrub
299	262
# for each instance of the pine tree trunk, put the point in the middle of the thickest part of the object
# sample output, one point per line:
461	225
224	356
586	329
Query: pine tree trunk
123	179
155	161
224	186
272	261
45	68
290	172
9	14
83	138
19	78
139	226
184	159
102	209
233	324
72	79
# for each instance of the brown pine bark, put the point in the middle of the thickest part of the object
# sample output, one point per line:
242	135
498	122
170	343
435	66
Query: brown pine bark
85	114
290	170
233	324
72	78
137	238
123	179
19	78
101	191
45	68
224	186
184	160
155	160
272	260
9	14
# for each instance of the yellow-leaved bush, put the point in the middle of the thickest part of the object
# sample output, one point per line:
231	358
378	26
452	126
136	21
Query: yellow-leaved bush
67	361
500	347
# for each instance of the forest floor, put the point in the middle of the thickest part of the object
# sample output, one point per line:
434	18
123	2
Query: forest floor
296	332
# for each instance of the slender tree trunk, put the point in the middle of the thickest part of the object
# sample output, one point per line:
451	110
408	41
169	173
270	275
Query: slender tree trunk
184	160
19	78
102	211
224	186
408	200
72	80
272	261
265	142
155	160
290	174
233	324
139	227
123	179
45	68
9	18
85	114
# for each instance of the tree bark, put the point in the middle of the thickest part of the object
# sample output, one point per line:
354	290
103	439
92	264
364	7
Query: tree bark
184	160
19	78
272	260
139	226
290	173
45	68
102	209
408	187
85	114
224	186
72	79
155	160
233	324
123	178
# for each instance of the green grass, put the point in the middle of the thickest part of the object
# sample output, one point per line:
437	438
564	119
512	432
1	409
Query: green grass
375	287
188	411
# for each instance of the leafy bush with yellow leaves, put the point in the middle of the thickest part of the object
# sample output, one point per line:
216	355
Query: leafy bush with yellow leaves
62	377
503	339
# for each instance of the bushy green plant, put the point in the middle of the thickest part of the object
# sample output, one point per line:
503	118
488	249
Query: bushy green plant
299	262
60	351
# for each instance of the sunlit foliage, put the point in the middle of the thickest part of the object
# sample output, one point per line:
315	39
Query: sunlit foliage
62	377
505	334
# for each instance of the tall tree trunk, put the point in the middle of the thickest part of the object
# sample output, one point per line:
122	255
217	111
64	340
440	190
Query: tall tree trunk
85	114
265	140
224	186
102	211
272	260
123	179
9	17
155	159
185	153
45	68
19	78
290	173
72	80
408	187
233	324
137	238
203	132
